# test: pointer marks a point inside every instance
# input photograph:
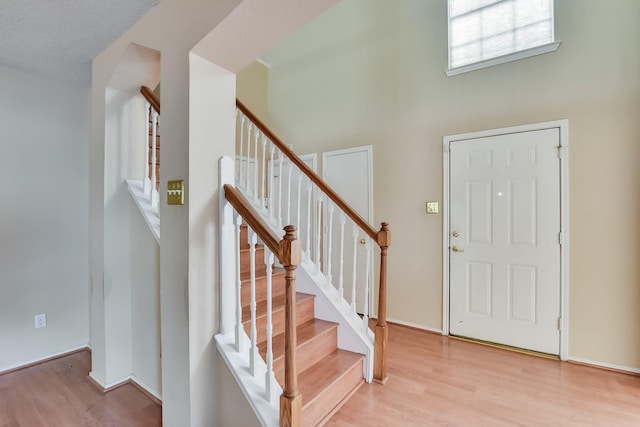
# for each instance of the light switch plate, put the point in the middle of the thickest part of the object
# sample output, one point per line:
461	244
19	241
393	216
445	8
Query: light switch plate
175	192
432	207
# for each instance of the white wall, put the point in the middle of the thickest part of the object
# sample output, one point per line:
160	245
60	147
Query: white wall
146	366
372	72
188	273
211	136
252	89
124	126
43	217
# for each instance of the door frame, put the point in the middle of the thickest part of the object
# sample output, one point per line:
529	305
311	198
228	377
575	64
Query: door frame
563	152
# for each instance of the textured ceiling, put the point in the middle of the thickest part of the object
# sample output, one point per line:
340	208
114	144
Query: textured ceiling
58	39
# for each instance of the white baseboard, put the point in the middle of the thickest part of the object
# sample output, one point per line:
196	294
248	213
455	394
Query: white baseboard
106	387
415	325
130	379
604	365
146	388
32	362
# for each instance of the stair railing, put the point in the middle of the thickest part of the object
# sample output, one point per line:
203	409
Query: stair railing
288	253
151	180
144	187
290	192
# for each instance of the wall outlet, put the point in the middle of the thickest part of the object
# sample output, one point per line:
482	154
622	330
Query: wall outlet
41	320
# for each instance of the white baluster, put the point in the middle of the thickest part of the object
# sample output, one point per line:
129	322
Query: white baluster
253	355
280	177
255	163
365	311
263	196
272	171
242	119
319	231
297	224
289	192
246	169
354	274
269	377
341	278
329	240
308	236
154	190
146	183
239	327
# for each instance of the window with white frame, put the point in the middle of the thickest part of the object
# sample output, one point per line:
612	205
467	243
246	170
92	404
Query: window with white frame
483	33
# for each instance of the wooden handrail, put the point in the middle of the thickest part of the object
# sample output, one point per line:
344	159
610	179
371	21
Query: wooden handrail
151	98
253	219
348	210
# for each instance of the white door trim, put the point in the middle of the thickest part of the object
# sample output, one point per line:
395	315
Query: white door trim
314	160
563	126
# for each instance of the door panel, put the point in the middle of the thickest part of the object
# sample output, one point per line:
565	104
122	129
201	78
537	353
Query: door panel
348	172
480	212
479	288
505	212
522	291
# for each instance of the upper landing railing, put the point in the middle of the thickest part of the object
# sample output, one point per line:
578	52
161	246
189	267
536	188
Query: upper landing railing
151	180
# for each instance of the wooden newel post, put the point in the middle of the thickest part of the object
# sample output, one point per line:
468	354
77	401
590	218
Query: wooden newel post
291	399
381	331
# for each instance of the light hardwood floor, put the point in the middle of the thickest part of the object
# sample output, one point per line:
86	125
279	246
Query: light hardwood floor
433	381
438	381
58	393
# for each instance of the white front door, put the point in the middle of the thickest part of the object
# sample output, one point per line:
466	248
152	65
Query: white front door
504	239
349	173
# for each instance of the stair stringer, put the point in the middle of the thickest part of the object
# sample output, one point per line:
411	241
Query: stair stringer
267	410
150	213
329	306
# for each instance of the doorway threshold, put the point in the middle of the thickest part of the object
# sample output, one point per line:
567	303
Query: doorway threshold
507	347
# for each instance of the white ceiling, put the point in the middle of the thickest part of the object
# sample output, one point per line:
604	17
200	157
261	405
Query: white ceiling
59	38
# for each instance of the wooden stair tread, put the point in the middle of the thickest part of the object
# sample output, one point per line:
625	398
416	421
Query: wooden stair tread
327	376
304	312
325	384
315	338
246	249
278	302
324	373
261	273
305	333
278	285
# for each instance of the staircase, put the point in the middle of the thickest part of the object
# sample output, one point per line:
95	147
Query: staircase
327	375
297	356
313	348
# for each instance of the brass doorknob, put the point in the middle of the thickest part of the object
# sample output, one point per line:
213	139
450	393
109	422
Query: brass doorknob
363	242
454	248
